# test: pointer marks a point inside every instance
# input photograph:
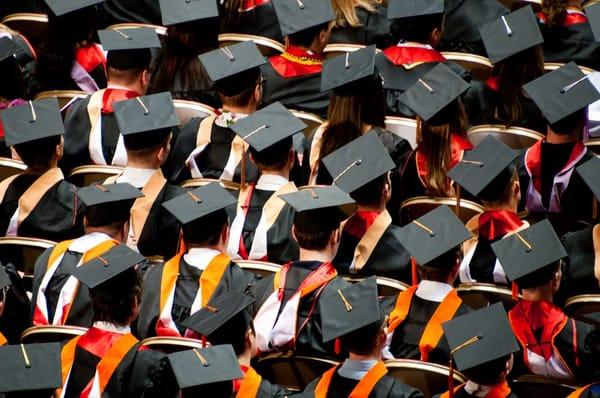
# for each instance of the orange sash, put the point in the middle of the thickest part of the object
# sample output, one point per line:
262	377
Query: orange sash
3	340
250	385
501	390
363	388
579	392
433	330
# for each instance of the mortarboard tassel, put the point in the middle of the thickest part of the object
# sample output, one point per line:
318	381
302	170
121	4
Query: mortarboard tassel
337	348
414	272
515	291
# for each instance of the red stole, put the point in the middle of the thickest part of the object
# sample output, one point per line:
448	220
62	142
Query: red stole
496	223
458	146
112	95
90	57
574	17
410	55
493	83
360	222
296	61
248	5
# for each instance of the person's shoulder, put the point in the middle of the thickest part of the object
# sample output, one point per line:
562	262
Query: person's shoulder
401	390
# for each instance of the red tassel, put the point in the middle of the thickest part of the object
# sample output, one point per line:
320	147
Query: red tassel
337	346
515	291
203	338
414	271
450	380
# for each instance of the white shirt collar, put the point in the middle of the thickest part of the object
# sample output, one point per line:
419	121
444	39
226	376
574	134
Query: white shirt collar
87	241
200	257
111	327
355	369
270	182
136	177
433	291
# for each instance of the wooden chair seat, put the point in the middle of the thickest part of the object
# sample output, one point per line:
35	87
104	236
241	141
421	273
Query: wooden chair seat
292	372
480	295
261	268
83	176
335	49
169	344
542	386
10	167
187	110
479	66
513	137
430	378
200	182
416	207
311	120
266	46
51	334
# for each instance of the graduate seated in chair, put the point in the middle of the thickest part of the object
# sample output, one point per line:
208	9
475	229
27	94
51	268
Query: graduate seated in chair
146	124
261	229
353	317
231	323
488	172
58	299
368	245
546	169
590	391
288	316
107	360
414	328
294	77
91	132
208	148
37	203
201	270
482	344
552	343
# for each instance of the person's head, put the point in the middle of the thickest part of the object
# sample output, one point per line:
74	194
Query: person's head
117	300
314	38
129	68
347	11
211	230
491	373
545	280
96	219
503	191
276	158
442	269
242	90
240	333
426	29
326	238
555	12
41	154
150	149
572	126
375	194
366	341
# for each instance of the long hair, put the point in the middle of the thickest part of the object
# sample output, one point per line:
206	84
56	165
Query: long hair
434	142
345	10
232	13
555	12
513	73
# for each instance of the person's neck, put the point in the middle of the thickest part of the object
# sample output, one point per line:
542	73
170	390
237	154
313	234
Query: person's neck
554	138
508	206
246	109
538	294
111	83
89	230
285	173
371	208
39	170
313	48
218	247
323	256
142	163
375	356
245	358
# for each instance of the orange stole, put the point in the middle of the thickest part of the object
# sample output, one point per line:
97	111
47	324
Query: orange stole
501	390
250	385
579	392
362	389
433	330
3	340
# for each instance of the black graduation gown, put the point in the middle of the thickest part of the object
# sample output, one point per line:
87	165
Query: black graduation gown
211	161
374	29
462	21
571	43
578	277
186	289
310	339
143	11
480	101
8	7
57	216
14	319
259	21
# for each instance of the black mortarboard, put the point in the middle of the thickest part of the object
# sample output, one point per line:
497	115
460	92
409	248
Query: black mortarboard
349	309
358	162
590	173
221	315
414	8
110	264
298	15
592	11
180	11
146	121
9	50
529	250
434	91
30	367
562	92
4	278
319	208
128	39
200	202
198	367
32	121
481	166
343	70
480	337
233	68
61	7
268	126
510	34
433	235
106	204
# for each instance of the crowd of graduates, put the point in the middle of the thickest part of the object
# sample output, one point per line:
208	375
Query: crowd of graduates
136	255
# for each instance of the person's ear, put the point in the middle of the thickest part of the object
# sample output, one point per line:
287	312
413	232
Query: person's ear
258	93
294	233
291	156
145	80
225	235
125	231
436	36
60	148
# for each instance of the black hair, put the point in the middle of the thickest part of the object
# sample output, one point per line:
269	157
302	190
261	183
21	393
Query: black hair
370	193
313	228
234	332
305	37
205	231
363	341
109	215
539	277
570	124
129	60
488	373
417	29
274	157
440	268
114	300
147	140
238	89
38	153
497	189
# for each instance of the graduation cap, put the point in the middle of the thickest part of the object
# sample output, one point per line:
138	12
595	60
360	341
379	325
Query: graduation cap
511	34
224	315
4	278
480	337
343	70
108	203
414	8
110	264
349	309
562	92
433	235
62	7
593	13
358	162
319	208
589	172
434	91
298	15
202	366
32	121
484	166
200	202
30	367
11	51
268	126
180	11
529	250
128	39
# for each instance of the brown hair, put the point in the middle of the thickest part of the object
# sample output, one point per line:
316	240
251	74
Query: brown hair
345	10
555	12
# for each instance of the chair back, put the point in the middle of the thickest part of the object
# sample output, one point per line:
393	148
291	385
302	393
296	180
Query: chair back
293	372
334	49
430	378
311	120
479	66
51	334
261	268
593	144
160	30
416	207
541	386
83	176
22	252
200	182
9	167
266	46
583	304
403	127
513	137
170	344
187	110
33	26
65	97
480	295
386	287
550	66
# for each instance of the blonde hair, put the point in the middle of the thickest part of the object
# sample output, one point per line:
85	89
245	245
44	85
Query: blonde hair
345	10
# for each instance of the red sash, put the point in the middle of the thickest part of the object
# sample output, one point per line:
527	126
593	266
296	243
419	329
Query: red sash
575	17
501	390
496	223
410	55
112	95
296	61
360	222
90	57
362	390
248	5
493	83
